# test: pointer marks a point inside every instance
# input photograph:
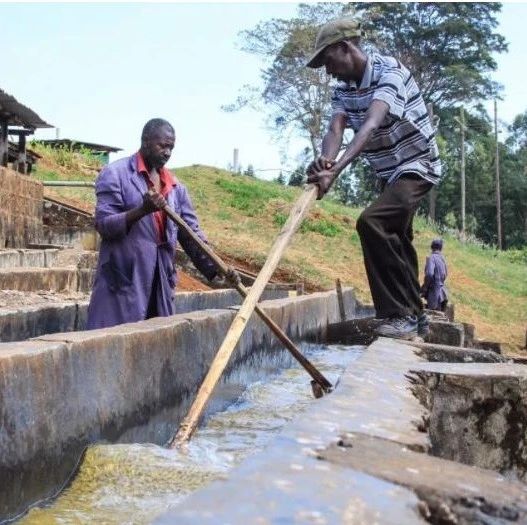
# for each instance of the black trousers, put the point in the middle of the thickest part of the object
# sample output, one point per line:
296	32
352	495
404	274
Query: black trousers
386	234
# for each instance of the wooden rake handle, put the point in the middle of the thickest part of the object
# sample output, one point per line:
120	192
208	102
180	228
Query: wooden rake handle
316	375
241	319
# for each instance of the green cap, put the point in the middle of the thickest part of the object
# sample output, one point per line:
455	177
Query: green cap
331	33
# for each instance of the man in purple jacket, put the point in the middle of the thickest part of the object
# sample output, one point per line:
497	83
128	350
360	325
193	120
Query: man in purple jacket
436	272
135	276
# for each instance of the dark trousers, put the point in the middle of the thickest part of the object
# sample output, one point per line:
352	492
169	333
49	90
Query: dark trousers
386	234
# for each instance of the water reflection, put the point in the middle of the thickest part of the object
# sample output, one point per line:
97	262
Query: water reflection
133	483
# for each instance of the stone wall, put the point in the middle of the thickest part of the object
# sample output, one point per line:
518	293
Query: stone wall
62	392
20	209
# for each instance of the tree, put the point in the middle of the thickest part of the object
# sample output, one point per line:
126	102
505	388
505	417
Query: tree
280	179
298	177
518	132
480	179
297	99
448	47
249	172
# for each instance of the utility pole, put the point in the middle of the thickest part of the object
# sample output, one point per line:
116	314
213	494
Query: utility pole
463	195
432	196
498	192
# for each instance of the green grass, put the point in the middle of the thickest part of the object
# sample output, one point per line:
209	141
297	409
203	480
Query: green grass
242	216
489	290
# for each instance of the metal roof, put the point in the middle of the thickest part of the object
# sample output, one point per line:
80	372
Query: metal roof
77	144
17	114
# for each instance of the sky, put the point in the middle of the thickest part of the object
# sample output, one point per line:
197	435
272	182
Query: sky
99	71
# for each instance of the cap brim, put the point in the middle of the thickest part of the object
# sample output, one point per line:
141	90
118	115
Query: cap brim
316	59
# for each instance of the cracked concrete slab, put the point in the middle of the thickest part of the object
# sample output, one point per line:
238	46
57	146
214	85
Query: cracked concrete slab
369	437
480	491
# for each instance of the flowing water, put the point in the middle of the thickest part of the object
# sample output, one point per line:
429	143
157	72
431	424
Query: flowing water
133	483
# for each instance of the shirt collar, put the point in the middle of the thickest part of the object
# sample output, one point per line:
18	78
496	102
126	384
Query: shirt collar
366	77
167	181
140	163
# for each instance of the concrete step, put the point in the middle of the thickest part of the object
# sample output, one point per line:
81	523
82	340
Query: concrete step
361	331
33	279
28	258
447	489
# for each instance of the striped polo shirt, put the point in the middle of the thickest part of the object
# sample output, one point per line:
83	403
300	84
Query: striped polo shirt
405	142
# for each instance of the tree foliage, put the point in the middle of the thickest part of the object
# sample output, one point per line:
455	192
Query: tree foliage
280	179
295	98
450	49
448	46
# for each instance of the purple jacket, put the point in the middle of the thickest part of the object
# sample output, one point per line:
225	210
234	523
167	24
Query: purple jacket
434	286
128	258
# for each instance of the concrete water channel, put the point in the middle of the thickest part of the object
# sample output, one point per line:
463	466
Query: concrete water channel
135	483
61	392
412	433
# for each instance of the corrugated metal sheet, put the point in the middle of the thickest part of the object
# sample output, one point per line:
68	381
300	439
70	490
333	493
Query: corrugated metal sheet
19	115
78	144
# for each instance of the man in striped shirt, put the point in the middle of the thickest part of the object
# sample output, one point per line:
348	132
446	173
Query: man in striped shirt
378	98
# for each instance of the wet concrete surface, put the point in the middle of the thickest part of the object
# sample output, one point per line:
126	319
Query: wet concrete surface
132	483
65	391
362	456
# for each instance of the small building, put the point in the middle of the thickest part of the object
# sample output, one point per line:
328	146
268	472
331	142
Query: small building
101	151
20	121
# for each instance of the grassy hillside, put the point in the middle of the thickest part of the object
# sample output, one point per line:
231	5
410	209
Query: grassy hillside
242	216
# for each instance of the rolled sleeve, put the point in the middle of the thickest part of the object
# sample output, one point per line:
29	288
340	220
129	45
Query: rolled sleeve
391	89
110	215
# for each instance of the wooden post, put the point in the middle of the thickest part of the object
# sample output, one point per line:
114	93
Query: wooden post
340	298
235	160
226	349
498	191
4	146
21	160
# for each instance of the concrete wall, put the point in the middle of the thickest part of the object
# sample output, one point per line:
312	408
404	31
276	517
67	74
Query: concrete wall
20	209
61	392
190	301
25	322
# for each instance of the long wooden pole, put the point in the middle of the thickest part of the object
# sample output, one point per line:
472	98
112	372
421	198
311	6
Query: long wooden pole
280	334
226	349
